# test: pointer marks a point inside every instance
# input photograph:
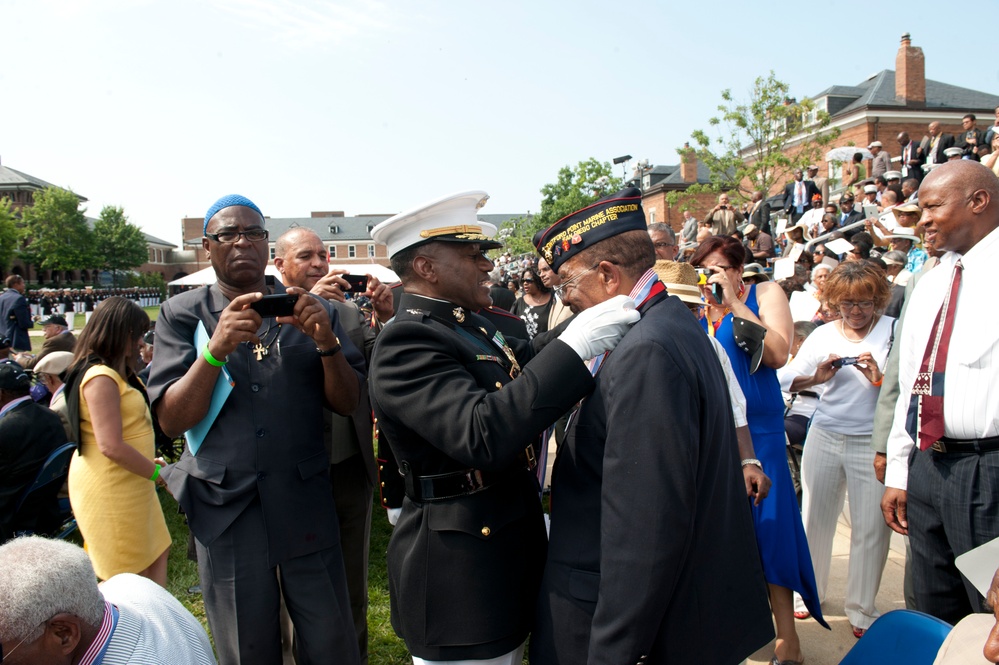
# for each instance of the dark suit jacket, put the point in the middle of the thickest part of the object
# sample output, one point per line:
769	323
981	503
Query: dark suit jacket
855	216
651	533
61	342
946	141
961	141
761	217
363	337
28	434
15	319
916	161
810	191
464	572
502	297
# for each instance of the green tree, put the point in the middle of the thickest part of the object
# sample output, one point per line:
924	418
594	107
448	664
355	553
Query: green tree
8	234
759	142
55	234
119	245
575	188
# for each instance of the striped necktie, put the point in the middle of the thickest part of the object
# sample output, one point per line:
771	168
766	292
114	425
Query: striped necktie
925	416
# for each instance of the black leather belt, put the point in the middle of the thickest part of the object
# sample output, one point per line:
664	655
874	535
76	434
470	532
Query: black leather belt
948	445
457	483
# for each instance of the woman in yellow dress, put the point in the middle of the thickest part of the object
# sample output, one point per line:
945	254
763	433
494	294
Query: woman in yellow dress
113	478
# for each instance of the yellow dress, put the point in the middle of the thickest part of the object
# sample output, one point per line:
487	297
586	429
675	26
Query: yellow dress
117	511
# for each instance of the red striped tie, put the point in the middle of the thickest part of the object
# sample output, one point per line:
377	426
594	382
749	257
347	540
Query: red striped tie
929	384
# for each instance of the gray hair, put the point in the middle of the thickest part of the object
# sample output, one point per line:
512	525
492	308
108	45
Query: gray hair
662	227
40	578
897	256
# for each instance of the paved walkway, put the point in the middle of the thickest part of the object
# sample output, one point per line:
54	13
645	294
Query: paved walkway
824	647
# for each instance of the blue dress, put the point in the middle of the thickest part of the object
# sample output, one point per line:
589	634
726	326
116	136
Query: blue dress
779	532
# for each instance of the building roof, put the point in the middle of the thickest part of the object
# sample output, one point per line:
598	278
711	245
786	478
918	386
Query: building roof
345	229
878	91
153	240
12	179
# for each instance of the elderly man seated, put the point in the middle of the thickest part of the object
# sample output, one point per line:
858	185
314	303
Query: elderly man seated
54	612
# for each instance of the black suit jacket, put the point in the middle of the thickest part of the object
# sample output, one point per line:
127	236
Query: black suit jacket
916	161
961	141
28	434
651	533
761	217
946	141
855	216
464	572
810	191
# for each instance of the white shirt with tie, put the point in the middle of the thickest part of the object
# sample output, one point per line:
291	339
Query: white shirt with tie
971	379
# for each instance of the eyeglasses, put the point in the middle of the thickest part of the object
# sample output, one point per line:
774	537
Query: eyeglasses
230	236
527	281
663	245
6	654
560	289
847	305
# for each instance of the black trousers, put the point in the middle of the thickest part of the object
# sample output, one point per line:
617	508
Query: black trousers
953	507
242	598
352	492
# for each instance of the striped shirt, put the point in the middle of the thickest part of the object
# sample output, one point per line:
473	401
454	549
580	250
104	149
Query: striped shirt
971	383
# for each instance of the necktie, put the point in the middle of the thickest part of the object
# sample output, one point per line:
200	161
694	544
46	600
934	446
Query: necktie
926	403
800	196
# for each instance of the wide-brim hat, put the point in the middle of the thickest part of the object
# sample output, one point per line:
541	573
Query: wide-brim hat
749	337
903	233
755	272
451	218
804	230
680	280
610	216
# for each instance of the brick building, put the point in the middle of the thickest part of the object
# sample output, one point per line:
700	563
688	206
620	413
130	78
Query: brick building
893	101
658	182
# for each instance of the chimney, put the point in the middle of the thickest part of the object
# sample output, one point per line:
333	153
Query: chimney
910	73
688	164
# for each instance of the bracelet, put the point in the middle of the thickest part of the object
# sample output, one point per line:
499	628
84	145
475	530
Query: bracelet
330	351
156	473
877	384
212	360
753	461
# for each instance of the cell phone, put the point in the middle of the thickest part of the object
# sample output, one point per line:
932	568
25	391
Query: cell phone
843	362
279	304
358	283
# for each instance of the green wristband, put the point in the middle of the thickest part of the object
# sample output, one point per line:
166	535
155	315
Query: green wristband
212	360
156	474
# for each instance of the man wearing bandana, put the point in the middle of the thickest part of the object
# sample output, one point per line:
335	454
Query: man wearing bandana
651	536
256	490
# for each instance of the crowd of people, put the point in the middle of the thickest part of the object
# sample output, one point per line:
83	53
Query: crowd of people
699	408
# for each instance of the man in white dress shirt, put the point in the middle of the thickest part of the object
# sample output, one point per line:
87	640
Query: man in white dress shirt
944	492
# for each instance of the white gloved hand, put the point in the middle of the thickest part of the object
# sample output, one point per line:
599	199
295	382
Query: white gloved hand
598	329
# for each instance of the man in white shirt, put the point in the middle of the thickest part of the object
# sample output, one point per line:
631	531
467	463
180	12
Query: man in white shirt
944	495
54	612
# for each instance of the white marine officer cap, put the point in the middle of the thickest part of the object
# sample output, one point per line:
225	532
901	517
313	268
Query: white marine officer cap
452	218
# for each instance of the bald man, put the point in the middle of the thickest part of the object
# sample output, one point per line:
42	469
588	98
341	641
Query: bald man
945	493
936	143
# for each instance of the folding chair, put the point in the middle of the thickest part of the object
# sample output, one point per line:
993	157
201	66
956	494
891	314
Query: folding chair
900	636
34	506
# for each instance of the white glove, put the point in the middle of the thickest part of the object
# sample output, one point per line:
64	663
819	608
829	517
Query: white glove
598	329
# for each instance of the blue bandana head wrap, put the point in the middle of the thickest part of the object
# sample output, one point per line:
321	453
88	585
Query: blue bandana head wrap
228	201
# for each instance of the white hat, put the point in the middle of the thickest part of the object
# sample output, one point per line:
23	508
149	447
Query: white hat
903	233
450	219
875	144
53	363
870	189
800	225
893	175
953	152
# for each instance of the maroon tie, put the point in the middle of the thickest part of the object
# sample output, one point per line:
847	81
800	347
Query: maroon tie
929	384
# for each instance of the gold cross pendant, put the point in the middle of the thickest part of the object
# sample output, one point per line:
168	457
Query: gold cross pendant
260	350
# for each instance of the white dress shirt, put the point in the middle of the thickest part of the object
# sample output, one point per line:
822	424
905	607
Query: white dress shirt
971	380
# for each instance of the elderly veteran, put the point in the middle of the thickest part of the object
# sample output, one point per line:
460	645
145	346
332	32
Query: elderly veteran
648	485
461	408
255	482
53	612
57	338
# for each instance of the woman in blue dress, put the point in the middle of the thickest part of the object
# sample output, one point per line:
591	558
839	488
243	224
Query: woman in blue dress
780	536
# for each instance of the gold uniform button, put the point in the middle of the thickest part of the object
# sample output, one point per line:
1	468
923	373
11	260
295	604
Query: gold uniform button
385	501
381	467
383	484
499	385
486	531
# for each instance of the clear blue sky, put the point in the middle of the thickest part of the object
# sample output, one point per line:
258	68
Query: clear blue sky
373	107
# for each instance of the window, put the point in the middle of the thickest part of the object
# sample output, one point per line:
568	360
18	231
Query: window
371	251
332	251
652	215
152	254
273	253
351	251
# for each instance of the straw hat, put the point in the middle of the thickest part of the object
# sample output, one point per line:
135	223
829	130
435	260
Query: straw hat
680	280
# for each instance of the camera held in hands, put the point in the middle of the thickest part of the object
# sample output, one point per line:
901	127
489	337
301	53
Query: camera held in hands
843	362
279	304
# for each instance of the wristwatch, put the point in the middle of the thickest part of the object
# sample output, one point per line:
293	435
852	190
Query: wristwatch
332	350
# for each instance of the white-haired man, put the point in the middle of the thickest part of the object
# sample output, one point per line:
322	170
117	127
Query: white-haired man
54	613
